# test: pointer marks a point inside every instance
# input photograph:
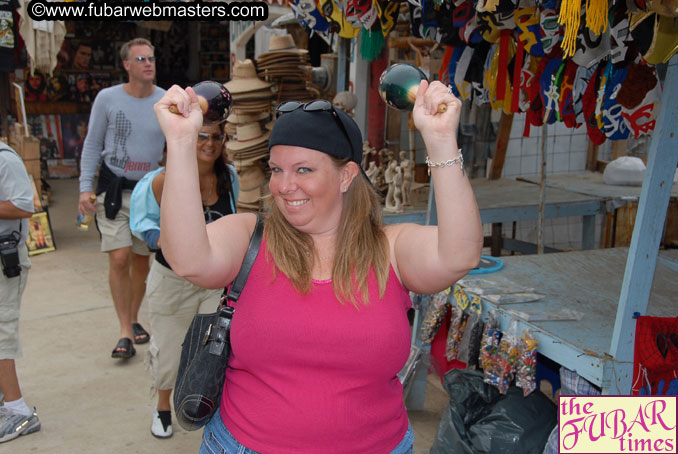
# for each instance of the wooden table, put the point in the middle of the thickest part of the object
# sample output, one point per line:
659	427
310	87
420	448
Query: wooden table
588	282
621	201
507	200
592	184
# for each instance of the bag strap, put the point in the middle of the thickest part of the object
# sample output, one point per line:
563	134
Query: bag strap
252	251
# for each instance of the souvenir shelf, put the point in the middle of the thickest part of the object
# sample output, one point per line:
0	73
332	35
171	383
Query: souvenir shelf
214	52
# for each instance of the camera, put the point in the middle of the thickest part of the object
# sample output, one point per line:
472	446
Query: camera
9	253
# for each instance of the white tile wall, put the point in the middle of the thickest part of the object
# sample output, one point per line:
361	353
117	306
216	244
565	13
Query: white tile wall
566	153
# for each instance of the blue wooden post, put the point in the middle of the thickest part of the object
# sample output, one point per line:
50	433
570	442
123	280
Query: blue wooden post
647	232
417	396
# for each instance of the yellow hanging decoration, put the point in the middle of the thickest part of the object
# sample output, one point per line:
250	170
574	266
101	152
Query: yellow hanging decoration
570	17
596	16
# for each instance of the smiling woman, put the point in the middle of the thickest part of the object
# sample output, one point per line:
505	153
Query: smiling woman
321	329
173	301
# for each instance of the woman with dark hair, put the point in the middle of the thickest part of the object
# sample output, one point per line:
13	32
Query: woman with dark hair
173	301
36	87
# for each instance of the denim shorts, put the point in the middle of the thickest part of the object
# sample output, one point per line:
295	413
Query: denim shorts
216	439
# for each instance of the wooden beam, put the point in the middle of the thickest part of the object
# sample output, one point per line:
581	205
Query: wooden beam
618	149
403	42
592	157
503	136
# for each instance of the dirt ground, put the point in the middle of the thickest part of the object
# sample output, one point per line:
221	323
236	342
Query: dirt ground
88	402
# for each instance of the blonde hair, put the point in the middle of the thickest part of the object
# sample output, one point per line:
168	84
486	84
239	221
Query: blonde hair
124	50
361	245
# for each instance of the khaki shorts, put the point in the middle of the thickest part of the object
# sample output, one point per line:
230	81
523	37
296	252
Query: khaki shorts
172	303
115	233
11	290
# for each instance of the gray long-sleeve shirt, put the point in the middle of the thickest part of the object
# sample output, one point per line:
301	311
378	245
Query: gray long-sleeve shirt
124	132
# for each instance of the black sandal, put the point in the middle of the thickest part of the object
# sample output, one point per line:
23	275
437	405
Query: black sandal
141	336
124	349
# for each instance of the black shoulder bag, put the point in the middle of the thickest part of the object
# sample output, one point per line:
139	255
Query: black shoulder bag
206	348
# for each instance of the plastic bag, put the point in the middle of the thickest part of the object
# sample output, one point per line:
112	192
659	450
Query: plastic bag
479	420
455	333
625	170
526	367
500	368
435	311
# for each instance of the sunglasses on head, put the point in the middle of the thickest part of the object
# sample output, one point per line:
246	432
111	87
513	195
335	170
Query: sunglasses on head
142	59
319	105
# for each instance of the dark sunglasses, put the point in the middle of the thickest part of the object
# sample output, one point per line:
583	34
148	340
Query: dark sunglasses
142	59
319	105
203	136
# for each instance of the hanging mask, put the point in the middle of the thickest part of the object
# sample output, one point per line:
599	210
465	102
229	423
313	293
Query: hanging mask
590	106
550	90
529	30
527	78
655	36
566	100
388	14
360	13
491	24
463	87
614	126
640	97
535	112
471	31
591	48
338	23
620	34
452	69
581	80
306	12
551	30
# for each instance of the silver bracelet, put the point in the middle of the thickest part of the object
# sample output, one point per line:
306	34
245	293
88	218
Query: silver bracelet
449	163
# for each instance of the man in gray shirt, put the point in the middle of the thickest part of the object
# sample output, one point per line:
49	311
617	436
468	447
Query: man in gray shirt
125	142
16	205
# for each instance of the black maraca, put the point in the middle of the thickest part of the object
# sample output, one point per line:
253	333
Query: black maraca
398	86
215	102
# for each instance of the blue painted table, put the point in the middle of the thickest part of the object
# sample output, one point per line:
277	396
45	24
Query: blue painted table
507	200
588	282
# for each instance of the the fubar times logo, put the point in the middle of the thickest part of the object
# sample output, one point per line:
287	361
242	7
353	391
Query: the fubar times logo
617	424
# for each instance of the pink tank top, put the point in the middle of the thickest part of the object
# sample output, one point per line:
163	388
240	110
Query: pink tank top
309	375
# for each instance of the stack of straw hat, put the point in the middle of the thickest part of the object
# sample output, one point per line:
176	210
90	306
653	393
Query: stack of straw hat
247	152
247	146
251	95
288	67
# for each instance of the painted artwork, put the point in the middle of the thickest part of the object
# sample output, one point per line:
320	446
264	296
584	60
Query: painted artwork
73	131
40	238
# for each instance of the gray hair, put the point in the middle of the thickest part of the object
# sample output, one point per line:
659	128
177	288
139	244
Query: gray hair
124	50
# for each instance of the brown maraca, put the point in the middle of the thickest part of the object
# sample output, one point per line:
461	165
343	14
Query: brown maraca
215	102
398	86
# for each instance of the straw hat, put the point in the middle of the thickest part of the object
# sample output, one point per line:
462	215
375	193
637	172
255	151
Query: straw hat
245	78
238	118
252	182
248	135
283	43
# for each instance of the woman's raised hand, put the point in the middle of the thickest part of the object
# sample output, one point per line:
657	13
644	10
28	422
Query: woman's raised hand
187	122
436	127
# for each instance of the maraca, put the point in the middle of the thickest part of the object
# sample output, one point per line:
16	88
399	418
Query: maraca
215	102
398	86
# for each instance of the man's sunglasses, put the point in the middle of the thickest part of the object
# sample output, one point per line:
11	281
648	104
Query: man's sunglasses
142	59
319	105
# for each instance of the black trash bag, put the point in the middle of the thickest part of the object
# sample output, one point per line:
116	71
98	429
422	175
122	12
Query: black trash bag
481	420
